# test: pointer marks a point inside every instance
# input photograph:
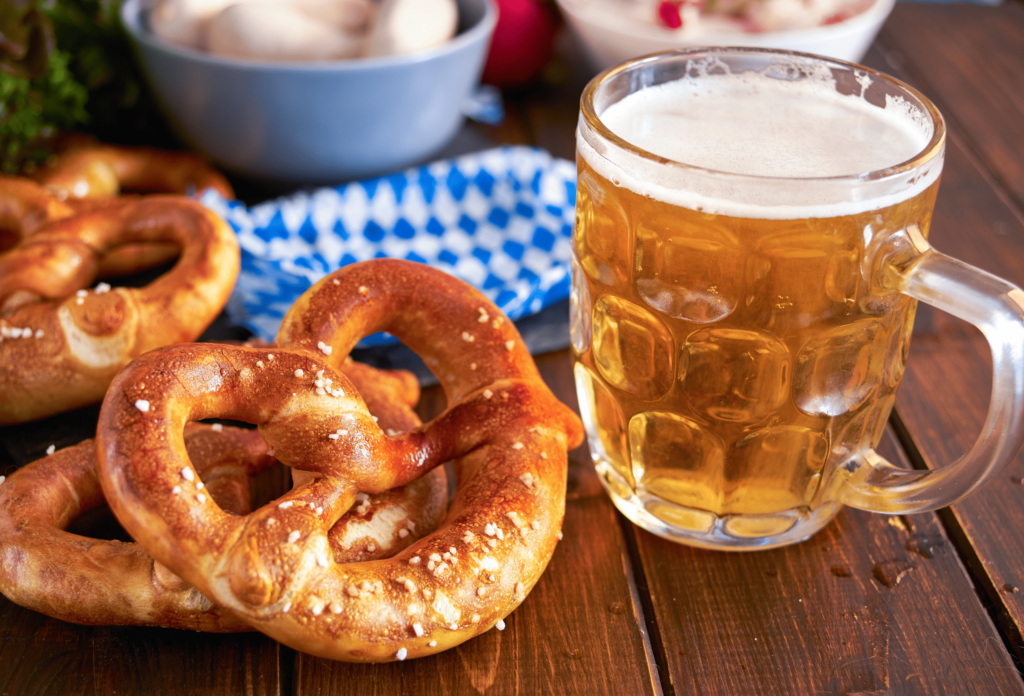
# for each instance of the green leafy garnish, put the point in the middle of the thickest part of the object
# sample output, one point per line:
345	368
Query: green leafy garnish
88	81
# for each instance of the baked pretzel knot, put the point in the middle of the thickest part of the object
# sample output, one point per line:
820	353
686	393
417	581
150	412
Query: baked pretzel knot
508	436
97	582
61	344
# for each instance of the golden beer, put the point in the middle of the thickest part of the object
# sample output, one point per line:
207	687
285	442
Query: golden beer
730	367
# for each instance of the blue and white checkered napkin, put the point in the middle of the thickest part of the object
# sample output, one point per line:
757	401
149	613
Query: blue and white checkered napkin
499	219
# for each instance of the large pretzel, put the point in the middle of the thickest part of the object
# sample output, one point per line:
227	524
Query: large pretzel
94	170
505	430
95	582
61	344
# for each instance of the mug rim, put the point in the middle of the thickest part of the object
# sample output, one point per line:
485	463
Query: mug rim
928	153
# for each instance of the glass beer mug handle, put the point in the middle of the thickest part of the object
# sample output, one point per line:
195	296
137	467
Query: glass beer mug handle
996	307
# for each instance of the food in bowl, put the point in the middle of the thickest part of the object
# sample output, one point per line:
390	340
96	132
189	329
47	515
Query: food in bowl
613	31
320	122
691	18
305	30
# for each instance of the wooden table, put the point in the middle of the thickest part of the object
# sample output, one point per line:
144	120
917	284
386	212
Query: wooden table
873	604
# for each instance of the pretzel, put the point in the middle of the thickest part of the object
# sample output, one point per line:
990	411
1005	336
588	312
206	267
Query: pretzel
93	582
72	341
508	436
26	208
93	170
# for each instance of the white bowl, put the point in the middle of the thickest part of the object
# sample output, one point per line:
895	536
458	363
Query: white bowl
609	41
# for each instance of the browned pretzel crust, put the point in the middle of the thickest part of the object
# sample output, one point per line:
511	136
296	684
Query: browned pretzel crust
505	430
94	170
95	582
60	344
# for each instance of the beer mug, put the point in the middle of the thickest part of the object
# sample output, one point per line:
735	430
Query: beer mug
749	250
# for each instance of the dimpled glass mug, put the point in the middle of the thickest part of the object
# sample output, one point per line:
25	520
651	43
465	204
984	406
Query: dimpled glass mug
744	293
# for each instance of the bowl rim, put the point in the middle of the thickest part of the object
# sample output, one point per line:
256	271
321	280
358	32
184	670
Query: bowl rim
875	13
131	19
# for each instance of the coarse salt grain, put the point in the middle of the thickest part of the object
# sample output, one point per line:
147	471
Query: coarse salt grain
417	629
51	449
400	655
187	474
142	405
176	490
200	486
299	372
432	644
324	348
216	427
201	498
500	625
403	533
509	345
102	288
517	446
294	536
488	393
285	505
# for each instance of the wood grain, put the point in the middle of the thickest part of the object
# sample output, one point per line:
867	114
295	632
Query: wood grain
872	604
969	60
944	396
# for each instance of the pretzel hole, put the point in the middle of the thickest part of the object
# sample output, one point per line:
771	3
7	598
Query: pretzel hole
8	238
99	523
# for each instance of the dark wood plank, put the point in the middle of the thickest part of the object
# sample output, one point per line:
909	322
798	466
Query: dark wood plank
970	61
945	391
581	630
872	604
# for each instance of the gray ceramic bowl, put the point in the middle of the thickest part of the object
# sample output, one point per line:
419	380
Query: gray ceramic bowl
311	123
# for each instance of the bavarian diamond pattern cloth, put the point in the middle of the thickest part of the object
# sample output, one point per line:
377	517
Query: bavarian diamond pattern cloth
501	220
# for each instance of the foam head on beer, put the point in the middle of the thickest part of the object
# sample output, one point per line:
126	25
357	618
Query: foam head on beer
757	125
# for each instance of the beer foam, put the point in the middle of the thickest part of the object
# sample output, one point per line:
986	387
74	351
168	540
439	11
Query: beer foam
759	126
